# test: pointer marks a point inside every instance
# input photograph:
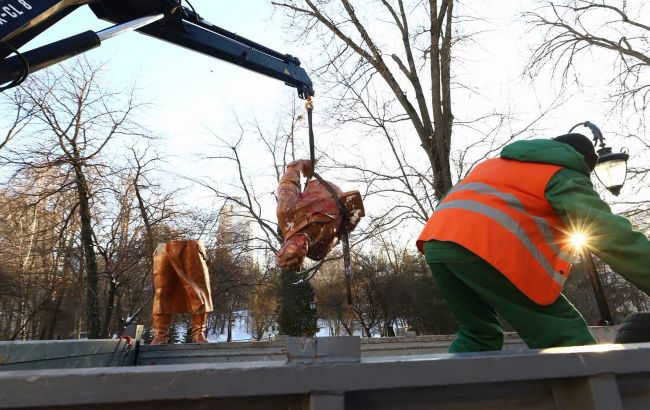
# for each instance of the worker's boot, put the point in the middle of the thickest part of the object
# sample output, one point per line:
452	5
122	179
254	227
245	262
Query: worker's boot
161	325
198	328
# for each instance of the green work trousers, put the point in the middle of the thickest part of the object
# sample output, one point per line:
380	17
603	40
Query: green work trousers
476	292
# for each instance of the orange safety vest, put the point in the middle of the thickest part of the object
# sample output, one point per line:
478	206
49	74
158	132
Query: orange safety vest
499	212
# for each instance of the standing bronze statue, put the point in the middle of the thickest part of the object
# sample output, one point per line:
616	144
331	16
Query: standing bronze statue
181	285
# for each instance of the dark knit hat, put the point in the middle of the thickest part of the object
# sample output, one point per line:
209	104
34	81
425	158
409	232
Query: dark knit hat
581	144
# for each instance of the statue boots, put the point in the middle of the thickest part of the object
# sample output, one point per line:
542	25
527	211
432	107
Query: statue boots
161	325
198	328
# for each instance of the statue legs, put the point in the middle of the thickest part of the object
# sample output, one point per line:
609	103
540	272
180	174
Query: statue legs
181	285
198	328
161	325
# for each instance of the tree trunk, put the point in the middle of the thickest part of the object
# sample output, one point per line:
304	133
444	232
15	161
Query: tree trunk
55	315
230	322
440	57
344	324
145	217
92	276
110	308
433	129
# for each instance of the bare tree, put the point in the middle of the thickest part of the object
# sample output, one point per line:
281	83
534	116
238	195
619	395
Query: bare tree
393	288
353	52
387	68
158	212
41	253
243	197
19	115
141	162
73	120
262	307
574	28
616	34
118	249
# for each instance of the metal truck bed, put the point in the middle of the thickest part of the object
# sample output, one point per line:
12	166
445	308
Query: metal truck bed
590	377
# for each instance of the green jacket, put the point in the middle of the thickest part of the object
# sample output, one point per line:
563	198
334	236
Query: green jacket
573	197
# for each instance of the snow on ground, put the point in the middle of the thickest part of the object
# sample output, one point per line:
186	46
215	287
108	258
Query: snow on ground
242	333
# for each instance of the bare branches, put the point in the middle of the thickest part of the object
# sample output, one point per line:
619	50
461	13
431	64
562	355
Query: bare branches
353	51
15	102
573	28
246	199
72	119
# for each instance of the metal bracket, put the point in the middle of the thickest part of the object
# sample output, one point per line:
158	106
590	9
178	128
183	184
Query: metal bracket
309	350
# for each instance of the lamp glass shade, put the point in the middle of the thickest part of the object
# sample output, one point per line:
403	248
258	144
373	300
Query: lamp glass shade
612	174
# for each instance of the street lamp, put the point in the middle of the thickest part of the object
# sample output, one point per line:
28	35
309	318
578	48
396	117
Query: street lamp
611	168
580	242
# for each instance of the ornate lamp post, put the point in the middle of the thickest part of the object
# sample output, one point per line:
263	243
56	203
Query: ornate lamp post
579	241
611	170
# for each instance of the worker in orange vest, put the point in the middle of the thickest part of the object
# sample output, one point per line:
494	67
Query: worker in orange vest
497	244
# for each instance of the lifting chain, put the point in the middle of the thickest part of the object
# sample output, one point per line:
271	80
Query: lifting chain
312	152
343	229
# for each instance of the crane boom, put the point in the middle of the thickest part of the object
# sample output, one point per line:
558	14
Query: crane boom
22	20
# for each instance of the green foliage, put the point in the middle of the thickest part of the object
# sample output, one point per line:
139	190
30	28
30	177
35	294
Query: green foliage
391	288
425	310
188	329
431	314
176	334
148	334
296	317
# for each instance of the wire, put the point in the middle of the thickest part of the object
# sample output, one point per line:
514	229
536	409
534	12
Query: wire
343	235
23	74
192	7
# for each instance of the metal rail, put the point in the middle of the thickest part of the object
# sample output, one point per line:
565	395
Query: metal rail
608	377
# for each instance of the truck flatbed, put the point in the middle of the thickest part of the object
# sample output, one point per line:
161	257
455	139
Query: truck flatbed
605	376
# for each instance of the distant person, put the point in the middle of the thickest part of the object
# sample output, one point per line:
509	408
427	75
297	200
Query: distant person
498	244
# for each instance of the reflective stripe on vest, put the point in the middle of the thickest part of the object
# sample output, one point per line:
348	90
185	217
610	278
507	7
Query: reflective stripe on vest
512	200
500	213
509	224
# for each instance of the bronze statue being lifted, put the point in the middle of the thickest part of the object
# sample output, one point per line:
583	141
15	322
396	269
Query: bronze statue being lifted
312	221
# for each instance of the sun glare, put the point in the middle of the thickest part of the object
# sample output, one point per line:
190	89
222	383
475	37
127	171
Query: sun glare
578	240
